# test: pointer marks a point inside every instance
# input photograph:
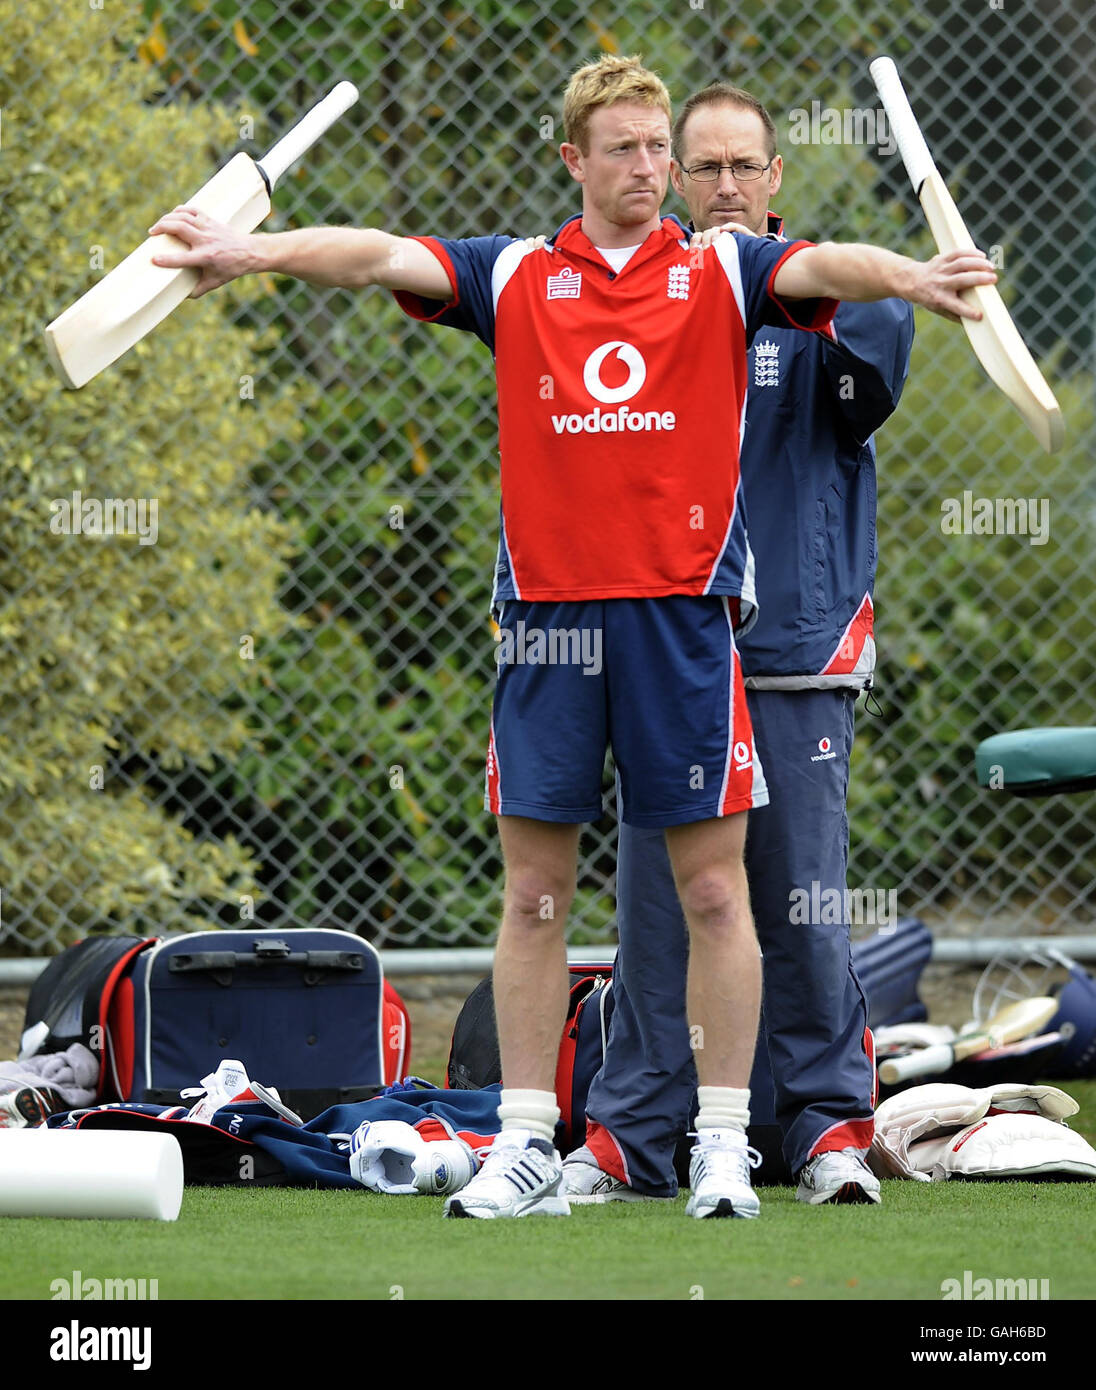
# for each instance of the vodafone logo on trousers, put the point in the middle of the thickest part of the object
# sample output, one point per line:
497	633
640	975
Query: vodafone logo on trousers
600	421
825	751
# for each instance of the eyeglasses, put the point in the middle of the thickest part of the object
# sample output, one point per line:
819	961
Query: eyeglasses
741	173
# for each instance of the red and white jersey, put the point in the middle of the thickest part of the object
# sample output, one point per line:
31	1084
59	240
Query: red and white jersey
621	404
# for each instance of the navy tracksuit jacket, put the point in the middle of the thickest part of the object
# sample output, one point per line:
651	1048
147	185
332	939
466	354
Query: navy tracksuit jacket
808	470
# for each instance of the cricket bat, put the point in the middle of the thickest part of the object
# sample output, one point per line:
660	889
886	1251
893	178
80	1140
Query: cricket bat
136	295
1015	1021
994	337
1040	1042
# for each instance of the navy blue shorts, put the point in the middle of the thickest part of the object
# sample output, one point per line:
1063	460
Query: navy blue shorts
656	679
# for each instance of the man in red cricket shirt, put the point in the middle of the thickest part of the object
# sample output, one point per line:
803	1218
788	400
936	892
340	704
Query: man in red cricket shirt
623	569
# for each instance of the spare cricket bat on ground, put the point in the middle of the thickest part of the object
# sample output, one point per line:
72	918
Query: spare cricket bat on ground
137	295
994	337
1015	1021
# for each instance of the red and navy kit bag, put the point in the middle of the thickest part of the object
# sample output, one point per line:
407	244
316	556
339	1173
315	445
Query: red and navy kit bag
85	995
303	1010
582	1048
285	1004
474	1060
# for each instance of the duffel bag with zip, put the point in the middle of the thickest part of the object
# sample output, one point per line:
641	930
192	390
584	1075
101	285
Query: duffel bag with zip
306	1010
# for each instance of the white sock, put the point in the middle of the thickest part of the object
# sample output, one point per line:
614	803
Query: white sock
535	1111
722	1108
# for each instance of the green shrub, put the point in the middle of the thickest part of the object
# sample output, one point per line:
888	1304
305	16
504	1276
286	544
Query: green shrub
113	649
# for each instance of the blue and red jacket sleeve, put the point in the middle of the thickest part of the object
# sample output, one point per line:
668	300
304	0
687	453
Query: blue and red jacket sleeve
866	358
469	263
760	259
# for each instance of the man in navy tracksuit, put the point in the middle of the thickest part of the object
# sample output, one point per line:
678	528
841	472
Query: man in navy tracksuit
808	467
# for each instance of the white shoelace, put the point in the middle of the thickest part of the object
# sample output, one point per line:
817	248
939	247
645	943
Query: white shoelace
495	1160
722	1159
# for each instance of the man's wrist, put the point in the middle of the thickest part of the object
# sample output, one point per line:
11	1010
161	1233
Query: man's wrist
908	279
261	254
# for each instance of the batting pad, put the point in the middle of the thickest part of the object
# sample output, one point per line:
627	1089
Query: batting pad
941	1111
1007	1146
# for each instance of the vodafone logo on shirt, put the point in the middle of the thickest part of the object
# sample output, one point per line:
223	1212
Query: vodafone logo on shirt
632	359
600	421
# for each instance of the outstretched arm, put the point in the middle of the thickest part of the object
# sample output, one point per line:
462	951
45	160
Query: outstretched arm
860	274
348	257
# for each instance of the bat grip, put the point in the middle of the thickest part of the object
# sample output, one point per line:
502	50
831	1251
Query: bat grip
925	1061
903	123
307	131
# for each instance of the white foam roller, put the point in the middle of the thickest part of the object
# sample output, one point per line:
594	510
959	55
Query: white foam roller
91	1174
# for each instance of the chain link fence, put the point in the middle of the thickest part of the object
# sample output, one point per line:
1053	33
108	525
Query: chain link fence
289	723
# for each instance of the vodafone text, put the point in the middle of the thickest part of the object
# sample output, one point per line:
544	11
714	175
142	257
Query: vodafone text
614	421
598	421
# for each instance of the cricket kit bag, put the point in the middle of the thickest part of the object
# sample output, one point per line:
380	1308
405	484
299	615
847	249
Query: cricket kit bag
888	966
85	996
474	1062
307	1011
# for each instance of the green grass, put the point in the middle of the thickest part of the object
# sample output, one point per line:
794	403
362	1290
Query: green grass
281	1244
287	1244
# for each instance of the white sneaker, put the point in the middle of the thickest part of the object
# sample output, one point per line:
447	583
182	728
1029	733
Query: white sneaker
521	1176
391	1156
840	1177
585	1182
719	1175
446	1165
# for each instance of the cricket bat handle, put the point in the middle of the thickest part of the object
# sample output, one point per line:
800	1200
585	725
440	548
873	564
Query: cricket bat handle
925	1061
903	123
306	132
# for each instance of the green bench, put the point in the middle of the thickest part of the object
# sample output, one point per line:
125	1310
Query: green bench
1038	762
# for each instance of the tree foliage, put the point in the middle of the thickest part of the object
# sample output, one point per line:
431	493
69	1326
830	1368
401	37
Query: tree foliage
112	649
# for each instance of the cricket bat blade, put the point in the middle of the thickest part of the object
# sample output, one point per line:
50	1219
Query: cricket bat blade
136	295
994	337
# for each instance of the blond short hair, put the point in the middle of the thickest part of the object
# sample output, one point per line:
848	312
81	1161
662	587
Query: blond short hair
604	83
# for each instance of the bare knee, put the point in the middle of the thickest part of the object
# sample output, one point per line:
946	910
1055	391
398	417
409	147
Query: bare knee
538	899
541	859
716	903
